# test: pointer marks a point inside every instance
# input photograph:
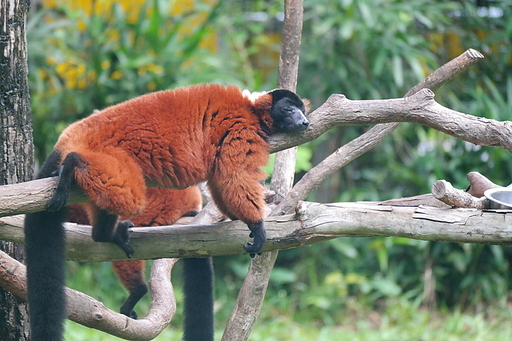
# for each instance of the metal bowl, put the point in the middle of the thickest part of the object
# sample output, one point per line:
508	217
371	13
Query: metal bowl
500	195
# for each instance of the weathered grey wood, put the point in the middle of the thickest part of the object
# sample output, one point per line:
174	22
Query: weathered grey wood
313	223
423	223
32	196
444	191
417	200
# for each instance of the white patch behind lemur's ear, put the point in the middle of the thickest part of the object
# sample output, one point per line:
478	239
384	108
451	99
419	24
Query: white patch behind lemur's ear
253	96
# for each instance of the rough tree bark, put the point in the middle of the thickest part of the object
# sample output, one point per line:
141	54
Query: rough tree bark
16	154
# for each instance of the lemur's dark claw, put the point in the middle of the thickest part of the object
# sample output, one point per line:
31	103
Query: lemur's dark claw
122	237
260	236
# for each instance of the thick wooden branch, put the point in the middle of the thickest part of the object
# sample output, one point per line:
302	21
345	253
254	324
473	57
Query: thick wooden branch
32	196
290	45
314	222
250	298
448	71
419	108
322	119
472	197
91	313
444	191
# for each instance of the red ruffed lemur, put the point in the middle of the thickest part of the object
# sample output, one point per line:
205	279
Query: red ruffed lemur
176	138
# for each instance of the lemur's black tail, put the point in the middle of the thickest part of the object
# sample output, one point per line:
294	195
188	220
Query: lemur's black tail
198	305
45	259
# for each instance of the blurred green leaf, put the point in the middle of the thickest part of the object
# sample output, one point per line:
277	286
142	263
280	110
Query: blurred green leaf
282	275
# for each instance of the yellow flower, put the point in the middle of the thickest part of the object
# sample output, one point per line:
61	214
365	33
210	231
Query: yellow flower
116	75
105	64
51	61
157	69
151	86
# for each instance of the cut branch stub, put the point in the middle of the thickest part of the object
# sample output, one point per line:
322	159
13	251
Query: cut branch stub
473	197
444	191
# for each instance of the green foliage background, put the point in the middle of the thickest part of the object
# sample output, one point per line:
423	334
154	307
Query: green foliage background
364	49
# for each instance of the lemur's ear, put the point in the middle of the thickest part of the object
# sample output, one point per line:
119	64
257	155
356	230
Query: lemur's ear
307	104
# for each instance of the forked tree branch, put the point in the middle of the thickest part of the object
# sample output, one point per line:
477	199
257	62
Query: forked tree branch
366	110
329	115
89	312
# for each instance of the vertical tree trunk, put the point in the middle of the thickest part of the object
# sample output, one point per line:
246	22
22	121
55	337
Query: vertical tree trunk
16	154
251	295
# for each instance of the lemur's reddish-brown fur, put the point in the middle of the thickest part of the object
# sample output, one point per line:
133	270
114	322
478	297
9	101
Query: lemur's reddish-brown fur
177	138
164	207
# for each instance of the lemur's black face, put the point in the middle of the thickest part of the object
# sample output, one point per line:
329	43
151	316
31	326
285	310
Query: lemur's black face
288	112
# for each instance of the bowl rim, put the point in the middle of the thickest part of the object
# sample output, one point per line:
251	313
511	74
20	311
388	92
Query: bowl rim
490	192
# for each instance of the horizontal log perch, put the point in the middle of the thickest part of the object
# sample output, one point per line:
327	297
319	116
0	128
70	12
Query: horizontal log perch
313	223
32	196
